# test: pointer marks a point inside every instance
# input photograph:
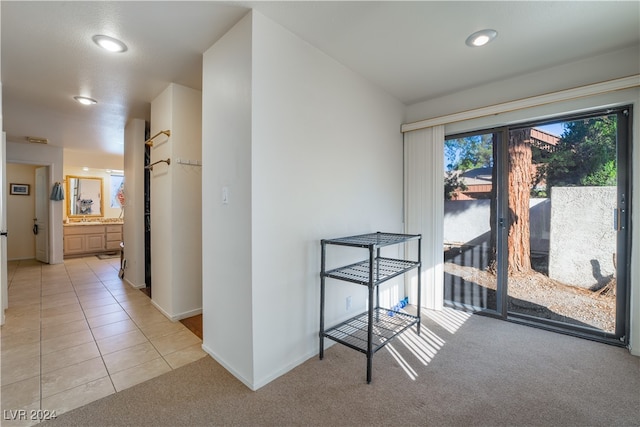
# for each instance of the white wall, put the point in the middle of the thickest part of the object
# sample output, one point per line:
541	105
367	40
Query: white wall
539	82
226	228
79	159
46	155
317	155
133	228
176	207
21	242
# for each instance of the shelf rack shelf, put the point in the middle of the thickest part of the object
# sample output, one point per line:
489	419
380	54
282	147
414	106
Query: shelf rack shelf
368	332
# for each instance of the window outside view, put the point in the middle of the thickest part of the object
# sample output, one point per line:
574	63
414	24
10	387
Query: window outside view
561	225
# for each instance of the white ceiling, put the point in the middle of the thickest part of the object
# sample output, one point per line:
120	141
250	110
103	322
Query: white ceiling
413	50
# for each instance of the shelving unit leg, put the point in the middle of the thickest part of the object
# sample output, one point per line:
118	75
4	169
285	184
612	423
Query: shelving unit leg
419	311
371	310
322	270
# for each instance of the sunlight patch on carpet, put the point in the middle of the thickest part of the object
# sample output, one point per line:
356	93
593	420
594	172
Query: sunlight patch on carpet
450	319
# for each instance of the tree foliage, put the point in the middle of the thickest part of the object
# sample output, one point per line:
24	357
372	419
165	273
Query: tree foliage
585	155
472	152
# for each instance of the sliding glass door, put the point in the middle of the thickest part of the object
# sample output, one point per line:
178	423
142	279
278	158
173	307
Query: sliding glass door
537	223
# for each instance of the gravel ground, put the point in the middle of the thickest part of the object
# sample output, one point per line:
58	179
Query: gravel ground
537	295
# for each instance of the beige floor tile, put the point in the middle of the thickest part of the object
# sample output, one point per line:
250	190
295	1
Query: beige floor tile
69	356
62	318
20	394
185	356
162	328
141	310
90	303
21	417
114	329
121	341
59	299
18	370
148	318
104	309
59	310
106	319
23	303
124	289
31	309
93	293
174	342
138	374
72	376
78	396
20	325
130	357
133	297
65	341
13	340
59	330
84	279
19	352
18	293
58	288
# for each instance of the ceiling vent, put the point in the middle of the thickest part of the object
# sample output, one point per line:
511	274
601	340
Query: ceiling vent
37	140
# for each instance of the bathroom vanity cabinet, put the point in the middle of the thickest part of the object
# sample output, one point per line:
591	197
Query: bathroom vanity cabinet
86	239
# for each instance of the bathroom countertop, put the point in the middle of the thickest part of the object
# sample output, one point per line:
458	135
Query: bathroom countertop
73	224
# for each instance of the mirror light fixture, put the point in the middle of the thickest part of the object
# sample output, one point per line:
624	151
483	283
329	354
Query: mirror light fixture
481	38
109	43
84	100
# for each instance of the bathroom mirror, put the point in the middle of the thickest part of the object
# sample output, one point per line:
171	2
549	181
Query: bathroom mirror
84	197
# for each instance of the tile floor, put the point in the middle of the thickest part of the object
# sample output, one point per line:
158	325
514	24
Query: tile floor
74	333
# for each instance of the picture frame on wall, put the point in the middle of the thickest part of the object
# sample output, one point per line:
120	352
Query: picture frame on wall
19	189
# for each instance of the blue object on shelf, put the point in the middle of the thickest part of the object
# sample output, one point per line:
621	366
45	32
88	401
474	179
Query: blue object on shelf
402	304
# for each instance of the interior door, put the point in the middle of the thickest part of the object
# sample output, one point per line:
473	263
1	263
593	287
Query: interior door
4	299
41	219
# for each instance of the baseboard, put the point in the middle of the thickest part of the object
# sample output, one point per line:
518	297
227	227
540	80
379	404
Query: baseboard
28	258
264	381
133	285
186	314
179	316
228	368
267	379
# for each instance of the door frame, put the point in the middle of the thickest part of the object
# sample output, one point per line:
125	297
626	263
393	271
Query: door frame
51	205
43	192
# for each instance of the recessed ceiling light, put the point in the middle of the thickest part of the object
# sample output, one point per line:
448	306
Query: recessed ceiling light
480	38
109	43
85	169
84	100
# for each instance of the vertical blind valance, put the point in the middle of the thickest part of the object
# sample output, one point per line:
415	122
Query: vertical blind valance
424	207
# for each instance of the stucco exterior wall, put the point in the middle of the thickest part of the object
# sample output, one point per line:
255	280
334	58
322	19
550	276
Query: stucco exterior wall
582	237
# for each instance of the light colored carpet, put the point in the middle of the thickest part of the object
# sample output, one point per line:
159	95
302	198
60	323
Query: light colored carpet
486	373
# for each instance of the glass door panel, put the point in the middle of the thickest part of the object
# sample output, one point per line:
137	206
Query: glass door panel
562	225
469	238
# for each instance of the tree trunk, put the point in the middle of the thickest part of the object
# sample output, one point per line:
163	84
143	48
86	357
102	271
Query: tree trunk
519	194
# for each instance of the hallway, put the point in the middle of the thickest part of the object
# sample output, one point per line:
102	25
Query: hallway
75	333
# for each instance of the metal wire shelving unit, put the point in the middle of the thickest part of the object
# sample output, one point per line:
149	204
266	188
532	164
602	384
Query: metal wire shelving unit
371	330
